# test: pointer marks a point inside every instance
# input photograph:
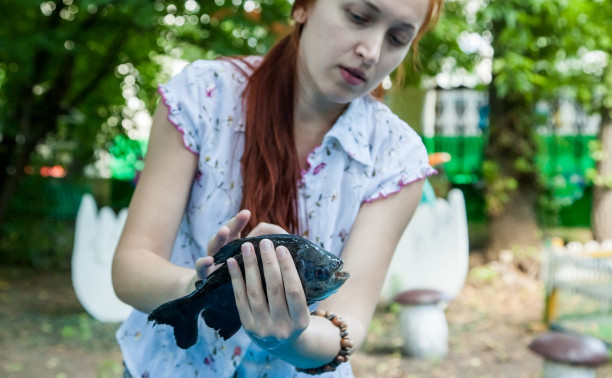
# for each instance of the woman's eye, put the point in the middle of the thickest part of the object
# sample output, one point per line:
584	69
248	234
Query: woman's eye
396	40
321	274
357	18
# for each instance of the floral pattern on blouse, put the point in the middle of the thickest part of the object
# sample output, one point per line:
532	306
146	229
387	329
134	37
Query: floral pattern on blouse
368	154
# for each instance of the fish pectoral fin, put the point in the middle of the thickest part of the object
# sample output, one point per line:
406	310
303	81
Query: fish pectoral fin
218	320
179	315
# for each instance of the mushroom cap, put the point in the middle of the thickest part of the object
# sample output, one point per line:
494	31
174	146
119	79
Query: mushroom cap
571	349
420	296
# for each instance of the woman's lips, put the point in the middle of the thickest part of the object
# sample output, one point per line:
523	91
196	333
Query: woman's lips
352	76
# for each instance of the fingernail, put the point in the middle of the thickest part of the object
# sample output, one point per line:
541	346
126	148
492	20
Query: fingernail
246	249
267	244
281	252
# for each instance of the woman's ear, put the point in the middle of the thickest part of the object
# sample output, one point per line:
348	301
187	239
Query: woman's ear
300	15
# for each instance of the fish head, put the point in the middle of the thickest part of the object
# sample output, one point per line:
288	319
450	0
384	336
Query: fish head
321	273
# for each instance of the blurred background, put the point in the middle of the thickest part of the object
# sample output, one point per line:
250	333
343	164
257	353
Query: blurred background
517	92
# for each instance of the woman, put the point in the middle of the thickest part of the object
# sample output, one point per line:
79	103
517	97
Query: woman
296	140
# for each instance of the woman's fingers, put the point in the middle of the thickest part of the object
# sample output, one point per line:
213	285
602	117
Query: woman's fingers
230	231
238	223
240	295
281	314
205	266
274	281
219	240
294	292
254	287
202	264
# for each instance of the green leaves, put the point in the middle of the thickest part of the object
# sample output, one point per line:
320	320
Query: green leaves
62	99
66	53
500	188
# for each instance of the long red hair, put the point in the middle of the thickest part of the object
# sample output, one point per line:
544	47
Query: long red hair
269	166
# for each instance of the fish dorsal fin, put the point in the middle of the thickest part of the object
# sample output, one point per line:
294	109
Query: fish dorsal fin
231	249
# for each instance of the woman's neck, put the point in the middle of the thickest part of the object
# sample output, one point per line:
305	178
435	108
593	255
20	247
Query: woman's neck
313	118
314	113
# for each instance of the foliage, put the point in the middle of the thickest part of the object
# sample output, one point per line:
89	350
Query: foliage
484	274
439	49
597	152
68	68
583	64
81	330
38	242
500	188
75	75
41	227
541	51
521	70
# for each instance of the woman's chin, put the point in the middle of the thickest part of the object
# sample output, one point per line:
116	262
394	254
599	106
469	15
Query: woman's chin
344	96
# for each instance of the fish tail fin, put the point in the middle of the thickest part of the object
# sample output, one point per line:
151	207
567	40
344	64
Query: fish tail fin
180	315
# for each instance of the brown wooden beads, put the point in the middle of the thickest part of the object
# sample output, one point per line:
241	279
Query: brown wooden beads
345	345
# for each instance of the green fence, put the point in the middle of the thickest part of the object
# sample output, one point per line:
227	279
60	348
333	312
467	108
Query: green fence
467	155
561	162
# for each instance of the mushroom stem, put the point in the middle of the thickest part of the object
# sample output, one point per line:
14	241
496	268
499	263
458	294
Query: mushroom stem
554	369
423	323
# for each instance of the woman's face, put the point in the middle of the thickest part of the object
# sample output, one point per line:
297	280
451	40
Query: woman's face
347	47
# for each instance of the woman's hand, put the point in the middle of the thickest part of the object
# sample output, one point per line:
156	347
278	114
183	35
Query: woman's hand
284	315
232	230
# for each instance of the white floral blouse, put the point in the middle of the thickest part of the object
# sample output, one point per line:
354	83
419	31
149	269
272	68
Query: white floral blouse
368	154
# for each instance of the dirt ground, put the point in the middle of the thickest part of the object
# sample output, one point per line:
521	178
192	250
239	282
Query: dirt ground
44	332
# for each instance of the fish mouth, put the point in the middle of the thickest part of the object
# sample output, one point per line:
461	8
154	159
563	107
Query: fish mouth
341	275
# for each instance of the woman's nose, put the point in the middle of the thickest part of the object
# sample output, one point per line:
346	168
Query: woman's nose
369	49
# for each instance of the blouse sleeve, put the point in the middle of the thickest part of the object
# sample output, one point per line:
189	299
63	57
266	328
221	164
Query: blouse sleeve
185	101
398	161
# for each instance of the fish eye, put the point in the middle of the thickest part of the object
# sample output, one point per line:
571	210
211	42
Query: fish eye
321	274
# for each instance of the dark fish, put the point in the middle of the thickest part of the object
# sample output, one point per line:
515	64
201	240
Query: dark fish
319	271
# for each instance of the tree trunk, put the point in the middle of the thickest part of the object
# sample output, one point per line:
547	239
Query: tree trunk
8	177
13	162
516	227
601	214
14	153
511	139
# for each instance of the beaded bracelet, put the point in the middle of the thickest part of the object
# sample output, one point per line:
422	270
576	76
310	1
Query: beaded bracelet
345	345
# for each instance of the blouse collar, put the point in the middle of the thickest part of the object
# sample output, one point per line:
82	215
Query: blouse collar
351	131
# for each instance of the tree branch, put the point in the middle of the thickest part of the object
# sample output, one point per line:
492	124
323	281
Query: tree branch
103	69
